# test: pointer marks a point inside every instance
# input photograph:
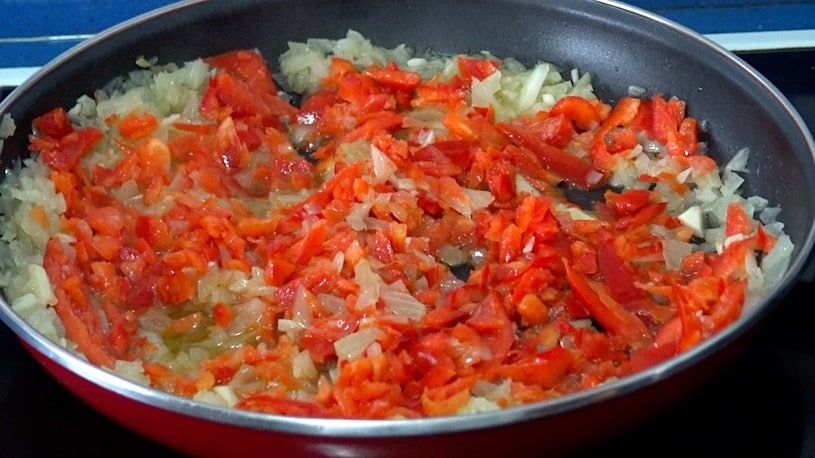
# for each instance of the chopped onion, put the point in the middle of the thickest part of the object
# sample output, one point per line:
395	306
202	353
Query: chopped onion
739	162
403	304
775	263
383	166
478	199
673	251
354	345
370	284
636	91
532	86
303	366
483	91
226	393
692	218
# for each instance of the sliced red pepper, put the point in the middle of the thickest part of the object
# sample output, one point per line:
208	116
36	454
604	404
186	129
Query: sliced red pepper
67	152
617	278
579	111
399	79
54	124
568	166
737	221
137	125
480	69
545	368
609	313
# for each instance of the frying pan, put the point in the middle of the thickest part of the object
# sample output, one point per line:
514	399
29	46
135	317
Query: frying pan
618	44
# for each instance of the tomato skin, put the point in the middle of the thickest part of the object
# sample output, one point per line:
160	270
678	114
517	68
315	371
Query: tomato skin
244	89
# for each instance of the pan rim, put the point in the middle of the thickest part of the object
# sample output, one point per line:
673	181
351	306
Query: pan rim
353	428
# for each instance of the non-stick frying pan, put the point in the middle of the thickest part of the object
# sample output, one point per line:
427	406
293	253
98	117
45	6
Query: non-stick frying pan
620	45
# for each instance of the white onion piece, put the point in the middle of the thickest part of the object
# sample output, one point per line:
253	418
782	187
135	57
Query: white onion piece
739	162
383	166
370	284
303	366
354	345
478	199
673	251
482	93
775	264
531	87
403	304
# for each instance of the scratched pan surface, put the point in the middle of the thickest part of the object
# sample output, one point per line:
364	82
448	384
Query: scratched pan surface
620	45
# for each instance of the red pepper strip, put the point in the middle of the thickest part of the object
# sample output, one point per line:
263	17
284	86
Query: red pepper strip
691	322
623	114
528	165
274	405
644	216
54	124
727	309
83	323
545	368
617	278
399	79
470	67
627	203
608	312
670	127
64	153
569	167
737	220
729	266
653	355
383	121
578	111
135	126
247	65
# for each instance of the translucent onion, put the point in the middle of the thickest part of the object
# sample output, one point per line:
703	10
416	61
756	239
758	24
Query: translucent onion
403	304
478	199
383	166
354	345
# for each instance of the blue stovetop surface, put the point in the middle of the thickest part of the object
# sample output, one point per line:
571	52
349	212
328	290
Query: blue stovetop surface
34	31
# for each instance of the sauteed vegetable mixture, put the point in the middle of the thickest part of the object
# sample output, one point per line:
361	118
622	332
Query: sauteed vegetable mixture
400	241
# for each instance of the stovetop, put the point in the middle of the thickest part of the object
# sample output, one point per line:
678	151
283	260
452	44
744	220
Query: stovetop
762	403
